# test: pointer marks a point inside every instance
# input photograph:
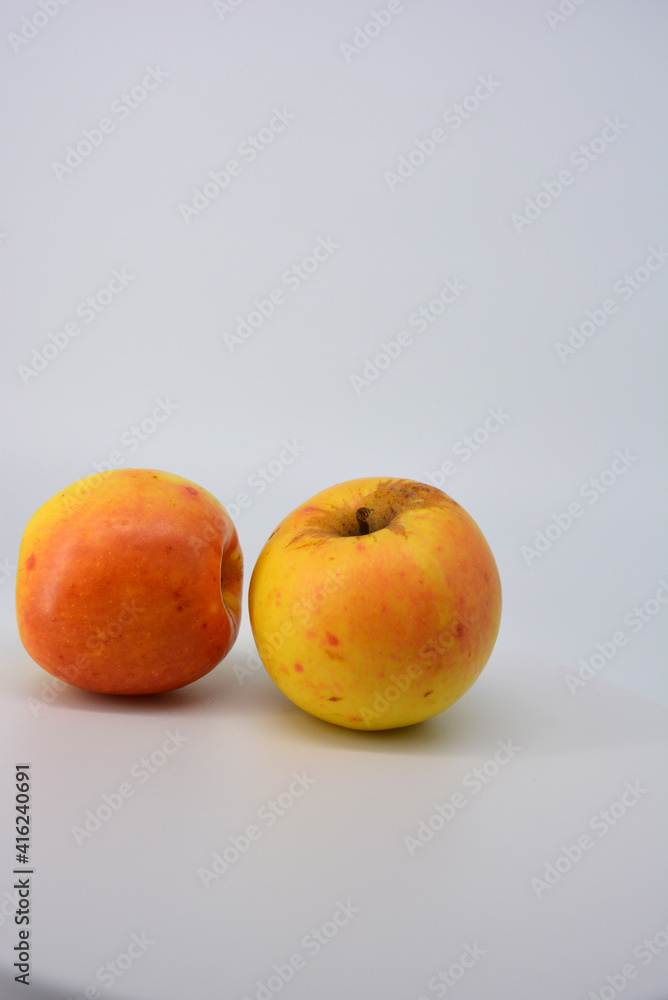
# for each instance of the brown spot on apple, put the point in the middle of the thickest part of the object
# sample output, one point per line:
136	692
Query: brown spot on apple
191	489
299	668
333	699
317	537
332	639
30	561
397	528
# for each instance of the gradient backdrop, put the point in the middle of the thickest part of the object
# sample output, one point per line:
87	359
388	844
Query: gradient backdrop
271	247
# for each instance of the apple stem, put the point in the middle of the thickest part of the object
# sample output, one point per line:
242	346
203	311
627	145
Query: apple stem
362	513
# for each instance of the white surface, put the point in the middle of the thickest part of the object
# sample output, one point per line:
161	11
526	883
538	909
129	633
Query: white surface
343	838
228	414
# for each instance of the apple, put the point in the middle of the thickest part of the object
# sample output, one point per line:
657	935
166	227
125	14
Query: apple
375	604
129	582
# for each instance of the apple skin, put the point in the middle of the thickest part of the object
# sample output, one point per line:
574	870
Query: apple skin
376	630
129	582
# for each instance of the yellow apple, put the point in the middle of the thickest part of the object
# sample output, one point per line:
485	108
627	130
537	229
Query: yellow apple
375	604
129	582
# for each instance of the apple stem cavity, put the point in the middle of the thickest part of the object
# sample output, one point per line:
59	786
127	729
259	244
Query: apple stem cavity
362	515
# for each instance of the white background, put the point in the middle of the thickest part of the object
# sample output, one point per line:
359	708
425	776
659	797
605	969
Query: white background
332	174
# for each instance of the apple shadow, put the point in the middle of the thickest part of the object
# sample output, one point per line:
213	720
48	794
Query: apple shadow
42	692
219	688
185	700
517	696
462	728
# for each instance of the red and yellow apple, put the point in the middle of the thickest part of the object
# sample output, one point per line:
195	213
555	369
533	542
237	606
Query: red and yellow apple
375	604
129	582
